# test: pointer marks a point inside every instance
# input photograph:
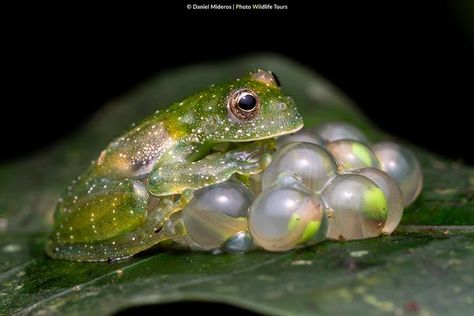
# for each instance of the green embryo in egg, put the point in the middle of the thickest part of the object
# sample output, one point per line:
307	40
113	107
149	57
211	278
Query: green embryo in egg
231	169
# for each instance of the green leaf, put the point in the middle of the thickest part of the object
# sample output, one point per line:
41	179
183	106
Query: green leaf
429	271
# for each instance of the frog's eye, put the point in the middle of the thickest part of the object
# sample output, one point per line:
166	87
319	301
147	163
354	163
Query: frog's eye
244	104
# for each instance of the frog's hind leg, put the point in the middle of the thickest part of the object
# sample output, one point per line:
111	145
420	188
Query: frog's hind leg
158	226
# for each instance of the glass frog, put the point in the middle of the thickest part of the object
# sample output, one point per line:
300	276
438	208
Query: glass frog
126	201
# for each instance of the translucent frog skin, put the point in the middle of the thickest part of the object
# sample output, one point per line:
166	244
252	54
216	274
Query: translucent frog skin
124	203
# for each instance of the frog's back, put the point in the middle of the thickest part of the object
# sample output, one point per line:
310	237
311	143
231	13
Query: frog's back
134	154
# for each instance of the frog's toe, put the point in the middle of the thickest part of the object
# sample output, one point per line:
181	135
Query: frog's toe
255	163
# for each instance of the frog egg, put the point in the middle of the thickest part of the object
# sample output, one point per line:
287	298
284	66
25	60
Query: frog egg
240	242
312	164
333	131
301	136
351	154
217	212
357	207
392	194
285	216
401	164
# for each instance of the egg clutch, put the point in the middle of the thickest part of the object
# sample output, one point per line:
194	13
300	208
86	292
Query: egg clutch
323	183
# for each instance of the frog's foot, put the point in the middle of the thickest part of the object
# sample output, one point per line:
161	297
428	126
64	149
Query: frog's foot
160	225
248	160
174	178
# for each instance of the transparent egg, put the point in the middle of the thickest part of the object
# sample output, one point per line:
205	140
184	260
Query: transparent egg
402	165
351	155
312	164
301	136
333	131
217	212
392	194
287	215
240	242
357	207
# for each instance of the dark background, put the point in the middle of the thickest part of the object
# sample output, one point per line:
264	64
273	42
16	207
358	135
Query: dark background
409	66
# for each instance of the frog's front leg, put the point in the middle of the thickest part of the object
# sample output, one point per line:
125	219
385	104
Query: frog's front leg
175	178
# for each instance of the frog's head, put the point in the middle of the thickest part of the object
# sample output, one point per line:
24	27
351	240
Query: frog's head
250	108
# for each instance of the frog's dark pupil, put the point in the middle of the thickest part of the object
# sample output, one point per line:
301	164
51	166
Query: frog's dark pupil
247	102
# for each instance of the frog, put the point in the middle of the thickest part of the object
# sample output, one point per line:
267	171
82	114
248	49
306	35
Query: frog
127	200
